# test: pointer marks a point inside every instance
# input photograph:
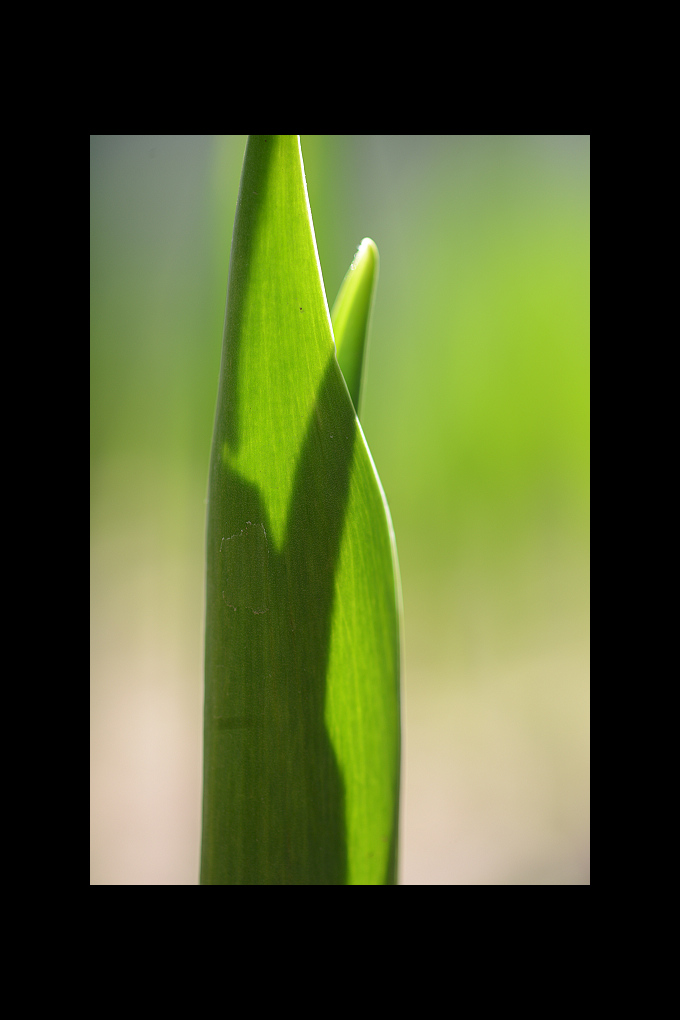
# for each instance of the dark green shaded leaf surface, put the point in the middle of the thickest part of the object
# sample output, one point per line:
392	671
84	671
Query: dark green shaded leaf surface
302	703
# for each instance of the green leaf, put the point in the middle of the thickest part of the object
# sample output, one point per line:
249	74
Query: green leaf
302	659
351	316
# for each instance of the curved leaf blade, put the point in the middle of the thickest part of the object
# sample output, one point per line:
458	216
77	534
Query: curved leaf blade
351	316
301	720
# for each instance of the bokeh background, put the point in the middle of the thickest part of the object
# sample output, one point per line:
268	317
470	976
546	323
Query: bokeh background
477	414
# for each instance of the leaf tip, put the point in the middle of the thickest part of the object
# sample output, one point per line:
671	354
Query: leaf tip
367	250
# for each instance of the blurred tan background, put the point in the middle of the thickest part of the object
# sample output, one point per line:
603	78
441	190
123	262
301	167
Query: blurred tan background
476	412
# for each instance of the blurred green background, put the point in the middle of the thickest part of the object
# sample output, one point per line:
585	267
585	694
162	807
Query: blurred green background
477	414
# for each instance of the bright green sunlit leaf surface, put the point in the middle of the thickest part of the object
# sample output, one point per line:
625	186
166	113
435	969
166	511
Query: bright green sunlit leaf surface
351	317
302	704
